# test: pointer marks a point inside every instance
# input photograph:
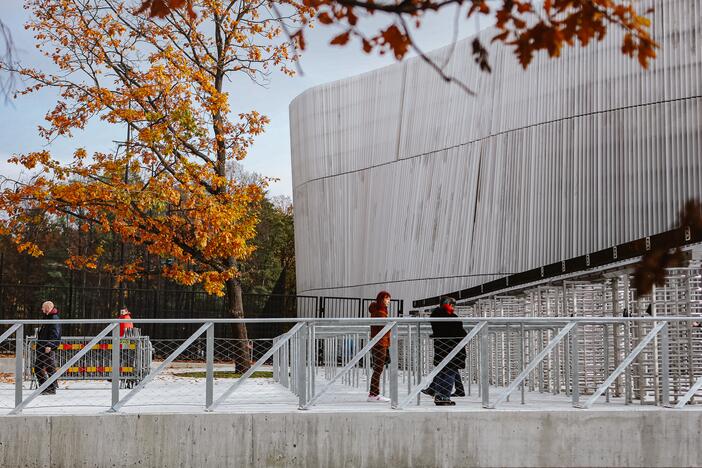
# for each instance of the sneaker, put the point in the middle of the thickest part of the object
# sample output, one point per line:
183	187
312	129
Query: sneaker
429	391
443	401
458	394
49	391
380	398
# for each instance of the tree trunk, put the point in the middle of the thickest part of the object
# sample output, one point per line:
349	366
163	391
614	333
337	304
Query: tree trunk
242	351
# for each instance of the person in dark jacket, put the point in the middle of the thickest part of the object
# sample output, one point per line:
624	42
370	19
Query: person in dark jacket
379	309
48	340
447	335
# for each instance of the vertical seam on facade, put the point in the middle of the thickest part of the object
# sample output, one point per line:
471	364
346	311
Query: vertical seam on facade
402	111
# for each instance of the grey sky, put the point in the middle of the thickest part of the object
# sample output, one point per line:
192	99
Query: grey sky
270	155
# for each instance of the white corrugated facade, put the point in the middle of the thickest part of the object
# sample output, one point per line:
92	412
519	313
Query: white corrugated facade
405	183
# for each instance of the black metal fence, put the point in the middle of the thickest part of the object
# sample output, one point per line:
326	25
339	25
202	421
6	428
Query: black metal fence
22	301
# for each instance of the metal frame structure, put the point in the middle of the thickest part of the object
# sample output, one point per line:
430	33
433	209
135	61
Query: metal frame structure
135	358
297	366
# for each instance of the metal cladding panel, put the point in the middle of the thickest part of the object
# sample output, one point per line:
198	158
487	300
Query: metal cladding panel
406	183
377	231
346	126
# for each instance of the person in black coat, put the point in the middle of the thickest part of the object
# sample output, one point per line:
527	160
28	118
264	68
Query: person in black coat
447	335
48	340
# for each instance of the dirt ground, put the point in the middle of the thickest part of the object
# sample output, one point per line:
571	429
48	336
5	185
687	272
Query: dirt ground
7	378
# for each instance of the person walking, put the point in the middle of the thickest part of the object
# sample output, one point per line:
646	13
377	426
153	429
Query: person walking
124	314
447	335
48	340
379	352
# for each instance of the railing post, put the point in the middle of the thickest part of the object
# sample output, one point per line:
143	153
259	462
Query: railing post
575	366
19	364
418	364
628	391
302	367
605	339
665	366
484	359
522	363
115	366
209	371
284	360
393	374
311	361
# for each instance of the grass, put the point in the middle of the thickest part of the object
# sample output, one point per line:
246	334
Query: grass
225	375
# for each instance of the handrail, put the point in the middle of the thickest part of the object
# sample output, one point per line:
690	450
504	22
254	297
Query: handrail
313	361
367	321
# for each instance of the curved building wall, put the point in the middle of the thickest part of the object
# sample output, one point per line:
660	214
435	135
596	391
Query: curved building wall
406	183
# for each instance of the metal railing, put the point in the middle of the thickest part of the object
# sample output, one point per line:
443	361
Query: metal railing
323	361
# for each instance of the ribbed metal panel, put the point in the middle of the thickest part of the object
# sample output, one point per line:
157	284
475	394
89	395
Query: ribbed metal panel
399	177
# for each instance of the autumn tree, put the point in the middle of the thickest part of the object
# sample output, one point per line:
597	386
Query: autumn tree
169	191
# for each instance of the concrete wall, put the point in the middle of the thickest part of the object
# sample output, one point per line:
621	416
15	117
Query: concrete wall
383	438
406	183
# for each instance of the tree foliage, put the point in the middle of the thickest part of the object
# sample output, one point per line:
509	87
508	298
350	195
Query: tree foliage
169	191
273	260
652	268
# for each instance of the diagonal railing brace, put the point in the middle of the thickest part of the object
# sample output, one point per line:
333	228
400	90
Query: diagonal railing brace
351	363
9	332
681	403
64	368
280	342
160	368
532	365
628	360
444	362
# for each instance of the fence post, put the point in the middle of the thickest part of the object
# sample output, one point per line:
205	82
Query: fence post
522	363
19	364
209	359
393	366
574	366
418	365
484	359
311	362
302	366
628	394
665	366
284	361
115	366
605	339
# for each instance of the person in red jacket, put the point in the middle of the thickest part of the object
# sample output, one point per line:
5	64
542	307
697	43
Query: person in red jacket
379	309
124	314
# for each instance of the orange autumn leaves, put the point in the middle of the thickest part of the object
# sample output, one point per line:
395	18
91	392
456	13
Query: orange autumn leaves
162	8
169	189
562	23
525	26
522	25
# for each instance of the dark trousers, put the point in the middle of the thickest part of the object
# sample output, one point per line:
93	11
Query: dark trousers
45	367
380	354
460	389
444	382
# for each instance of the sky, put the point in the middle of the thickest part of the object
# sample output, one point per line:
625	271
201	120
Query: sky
270	154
